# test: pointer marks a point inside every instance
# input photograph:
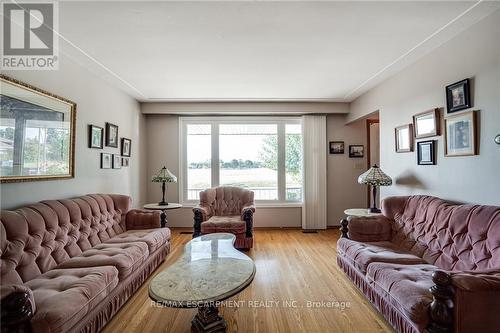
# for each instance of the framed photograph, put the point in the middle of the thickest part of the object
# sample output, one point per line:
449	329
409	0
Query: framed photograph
96	137
125	162
460	134
458	96
106	160
426	152
126	146
426	124
356	151
336	147
404	138
117	161
37	132
111	135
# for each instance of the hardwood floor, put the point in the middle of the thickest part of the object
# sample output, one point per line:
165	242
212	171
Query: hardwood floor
293	269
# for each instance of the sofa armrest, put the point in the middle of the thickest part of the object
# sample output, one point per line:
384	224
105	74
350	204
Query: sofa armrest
18	306
476	301
391	206
201	214
248	209
247	216
368	229
143	219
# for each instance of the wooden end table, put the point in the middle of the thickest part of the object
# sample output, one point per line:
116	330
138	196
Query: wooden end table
163	208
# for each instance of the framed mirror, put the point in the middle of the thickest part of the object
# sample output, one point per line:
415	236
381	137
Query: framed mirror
37	133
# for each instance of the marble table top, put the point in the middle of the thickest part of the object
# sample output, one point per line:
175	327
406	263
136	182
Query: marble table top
155	206
210	270
360	212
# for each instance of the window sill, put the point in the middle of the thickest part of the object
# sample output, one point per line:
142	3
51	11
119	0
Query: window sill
259	204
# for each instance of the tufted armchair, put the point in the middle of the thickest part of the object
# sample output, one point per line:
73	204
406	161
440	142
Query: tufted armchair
226	209
427	265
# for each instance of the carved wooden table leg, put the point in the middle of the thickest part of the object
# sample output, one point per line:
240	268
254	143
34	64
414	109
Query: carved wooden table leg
207	320
441	315
343	228
163	218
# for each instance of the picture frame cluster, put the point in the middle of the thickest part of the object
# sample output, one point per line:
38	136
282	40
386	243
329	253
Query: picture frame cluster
460	127
338	148
100	137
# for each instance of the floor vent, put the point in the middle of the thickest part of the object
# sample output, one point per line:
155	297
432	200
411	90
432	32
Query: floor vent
309	231
186	232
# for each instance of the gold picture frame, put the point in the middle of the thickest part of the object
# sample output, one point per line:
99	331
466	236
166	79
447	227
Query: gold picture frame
38	133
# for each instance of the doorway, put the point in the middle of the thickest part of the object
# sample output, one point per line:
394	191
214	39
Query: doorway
373	151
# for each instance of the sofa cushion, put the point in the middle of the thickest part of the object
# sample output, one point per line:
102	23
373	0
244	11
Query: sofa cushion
363	254
406	287
64	296
154	238
126	257
231	224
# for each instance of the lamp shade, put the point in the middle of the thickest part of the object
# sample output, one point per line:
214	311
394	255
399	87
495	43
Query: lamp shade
375	177
164	176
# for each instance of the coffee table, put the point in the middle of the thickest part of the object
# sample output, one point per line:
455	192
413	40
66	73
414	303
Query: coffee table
210	271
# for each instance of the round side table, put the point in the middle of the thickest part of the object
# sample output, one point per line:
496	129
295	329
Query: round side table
354	212
163	208
363	212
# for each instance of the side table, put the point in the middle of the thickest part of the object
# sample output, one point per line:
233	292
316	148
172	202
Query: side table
354	212
163	208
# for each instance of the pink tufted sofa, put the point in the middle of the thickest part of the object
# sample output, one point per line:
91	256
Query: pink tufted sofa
426	264
69	265
226	209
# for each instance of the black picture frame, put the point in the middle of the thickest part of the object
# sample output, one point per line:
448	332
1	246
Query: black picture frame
458	96
92	143
337	147
426	152
111	135
354	153
106	163
125	142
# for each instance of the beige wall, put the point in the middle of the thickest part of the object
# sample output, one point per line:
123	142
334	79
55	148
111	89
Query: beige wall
343	191
96	103
475	54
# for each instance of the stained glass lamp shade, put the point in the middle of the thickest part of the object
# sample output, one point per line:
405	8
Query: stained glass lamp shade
375	178
163	177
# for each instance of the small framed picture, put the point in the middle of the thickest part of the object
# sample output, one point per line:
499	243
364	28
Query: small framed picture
117	161
356	151
336	147
404	138
426	124
96	137
106	161
126	145
125	162
111	135
458	96
426	152
460	134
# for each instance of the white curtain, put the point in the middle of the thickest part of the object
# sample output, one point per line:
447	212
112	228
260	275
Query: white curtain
314	209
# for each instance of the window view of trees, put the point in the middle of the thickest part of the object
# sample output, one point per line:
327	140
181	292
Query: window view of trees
248	157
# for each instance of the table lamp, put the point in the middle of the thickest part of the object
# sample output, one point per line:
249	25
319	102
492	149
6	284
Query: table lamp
163	177
375	178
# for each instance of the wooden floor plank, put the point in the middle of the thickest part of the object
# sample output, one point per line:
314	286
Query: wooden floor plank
293	269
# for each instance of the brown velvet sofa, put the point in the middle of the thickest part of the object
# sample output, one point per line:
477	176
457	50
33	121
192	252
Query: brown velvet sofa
226	209
69	265
427	264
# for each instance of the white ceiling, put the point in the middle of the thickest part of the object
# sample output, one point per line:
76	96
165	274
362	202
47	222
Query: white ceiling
264	51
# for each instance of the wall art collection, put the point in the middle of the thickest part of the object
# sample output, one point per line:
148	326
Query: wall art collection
108	136
460	128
